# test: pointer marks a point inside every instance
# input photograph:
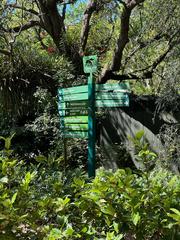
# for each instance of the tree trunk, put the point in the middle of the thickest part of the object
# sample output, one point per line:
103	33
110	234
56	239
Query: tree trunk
52	22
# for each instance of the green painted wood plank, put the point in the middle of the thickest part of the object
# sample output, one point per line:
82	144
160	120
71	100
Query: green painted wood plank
122	102
76	104
111	87
73	90
112	103
73	112
76	119
80	100
111	96
75	97
99	87
76	134
83	104
77	127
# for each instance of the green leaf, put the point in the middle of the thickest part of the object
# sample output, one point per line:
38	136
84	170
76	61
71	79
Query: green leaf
2	138
41	158
8	142
69	231
175	211
7	203
28	178
3	216
139	135
176	215
119	237
13	199
173	181
84	230
66	200
61	203
108	210
4	179
116	227
153	154
110	236
22	217
78	181
55	233
135	218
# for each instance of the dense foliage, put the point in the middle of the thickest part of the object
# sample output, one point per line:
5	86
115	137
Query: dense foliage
41	47
135	40
43	202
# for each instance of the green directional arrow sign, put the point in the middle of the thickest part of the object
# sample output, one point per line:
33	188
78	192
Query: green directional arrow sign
119	87
76	104
111	96
76	119
112	103
77	107
73	112
75	134
76	127
122	87
74	90
74	97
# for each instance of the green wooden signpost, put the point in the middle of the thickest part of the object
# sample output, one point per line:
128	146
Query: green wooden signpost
77	107
90	67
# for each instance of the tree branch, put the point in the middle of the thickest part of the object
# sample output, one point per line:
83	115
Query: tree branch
141	46
108	41
133	3
64	11
86	24
51	21
5	52
22	8
148	71
121	77
146	75
121	43
65	2
171	44
123	39
18	29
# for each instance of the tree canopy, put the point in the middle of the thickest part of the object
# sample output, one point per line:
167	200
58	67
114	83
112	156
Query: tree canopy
134	39
42	43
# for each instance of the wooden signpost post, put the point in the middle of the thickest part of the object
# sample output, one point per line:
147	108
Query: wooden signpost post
90	67
77	107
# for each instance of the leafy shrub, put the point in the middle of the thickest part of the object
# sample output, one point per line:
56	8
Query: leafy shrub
43	202
143	154
28	88
170	155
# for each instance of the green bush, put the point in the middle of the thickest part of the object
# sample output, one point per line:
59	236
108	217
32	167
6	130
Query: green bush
43	202
28	102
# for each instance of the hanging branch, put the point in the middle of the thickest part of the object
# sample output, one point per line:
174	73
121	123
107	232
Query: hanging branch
91	7
123	39
26	26
15	6
5	52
